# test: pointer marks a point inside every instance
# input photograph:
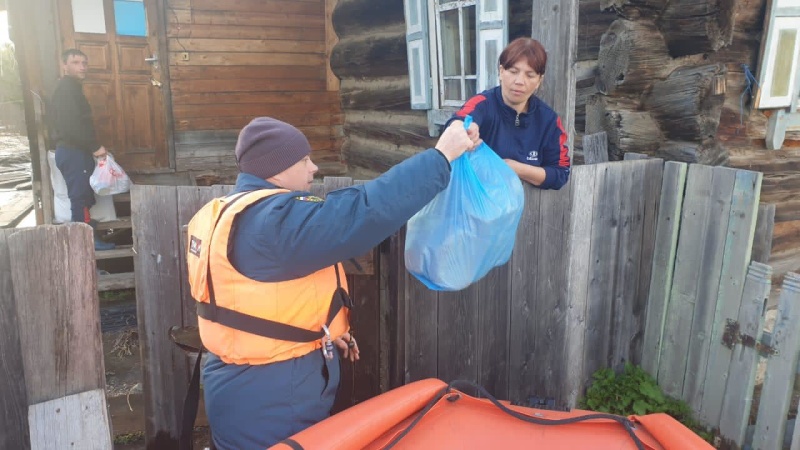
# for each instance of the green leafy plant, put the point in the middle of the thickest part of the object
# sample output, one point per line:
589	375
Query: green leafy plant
636	392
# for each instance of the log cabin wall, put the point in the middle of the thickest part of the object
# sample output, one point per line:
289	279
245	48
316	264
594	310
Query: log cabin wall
233	61
667	79
380	127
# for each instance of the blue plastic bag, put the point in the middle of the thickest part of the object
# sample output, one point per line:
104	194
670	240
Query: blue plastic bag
470	227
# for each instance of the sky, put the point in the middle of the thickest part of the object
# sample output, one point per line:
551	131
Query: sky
4	28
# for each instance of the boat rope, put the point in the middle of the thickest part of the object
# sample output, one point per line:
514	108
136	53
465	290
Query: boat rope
461	384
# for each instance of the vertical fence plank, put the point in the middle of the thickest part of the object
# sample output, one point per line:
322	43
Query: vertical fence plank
666	244
13	401
583	182
736	258
396	308
524	290
421	334
156	234
57	310
605	240
75	421
762	243
781	369
680	310
651	188
551	297
595	148
741	380
626	269
457	329
365	321
493	303
713	248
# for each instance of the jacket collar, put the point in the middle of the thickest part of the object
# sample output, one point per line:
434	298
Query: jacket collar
247	182
510	114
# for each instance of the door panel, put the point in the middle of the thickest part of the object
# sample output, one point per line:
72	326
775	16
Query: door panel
121	85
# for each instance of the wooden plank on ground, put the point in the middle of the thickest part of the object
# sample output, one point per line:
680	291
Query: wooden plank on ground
741	379
550	367
156	233
595	148
13	402
582	180
713	252
75	421
735	261
492	303
59	320
680	310
666	244
765	224
522	358
776	394
653	176
605	244
15	205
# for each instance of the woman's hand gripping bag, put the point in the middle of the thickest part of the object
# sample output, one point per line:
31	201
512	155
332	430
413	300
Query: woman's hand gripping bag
470	227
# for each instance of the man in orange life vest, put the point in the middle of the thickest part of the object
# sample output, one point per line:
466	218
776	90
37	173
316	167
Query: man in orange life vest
272	296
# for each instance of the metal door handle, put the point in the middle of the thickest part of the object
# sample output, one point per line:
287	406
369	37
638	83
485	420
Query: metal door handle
152	59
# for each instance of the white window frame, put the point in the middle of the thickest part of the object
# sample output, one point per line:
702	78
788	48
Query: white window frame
438	9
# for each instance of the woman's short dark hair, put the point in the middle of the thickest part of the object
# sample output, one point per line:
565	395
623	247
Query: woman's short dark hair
524	48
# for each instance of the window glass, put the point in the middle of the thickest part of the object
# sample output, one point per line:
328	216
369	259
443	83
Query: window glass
88	16
130	18
784	56
451	45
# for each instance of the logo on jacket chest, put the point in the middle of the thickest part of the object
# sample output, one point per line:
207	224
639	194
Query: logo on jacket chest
533	156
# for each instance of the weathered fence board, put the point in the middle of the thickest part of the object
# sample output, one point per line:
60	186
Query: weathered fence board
781	369
595	148
493	304
665	243
422	318
156	236
736	258
524	269
741	379
79	421
54	285
708	282
680	309
13	401
762	242
458	334
583	183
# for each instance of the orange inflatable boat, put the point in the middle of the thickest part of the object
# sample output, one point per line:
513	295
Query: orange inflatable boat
430	414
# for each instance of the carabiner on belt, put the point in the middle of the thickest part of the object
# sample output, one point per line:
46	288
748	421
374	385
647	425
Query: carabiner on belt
327	343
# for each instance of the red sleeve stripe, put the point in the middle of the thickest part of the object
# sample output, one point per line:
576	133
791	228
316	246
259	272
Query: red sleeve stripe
563	159
470	106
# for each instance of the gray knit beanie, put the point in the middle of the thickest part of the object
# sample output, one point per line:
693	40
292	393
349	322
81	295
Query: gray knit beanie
267	147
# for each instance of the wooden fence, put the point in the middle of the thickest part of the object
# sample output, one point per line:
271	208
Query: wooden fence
52	375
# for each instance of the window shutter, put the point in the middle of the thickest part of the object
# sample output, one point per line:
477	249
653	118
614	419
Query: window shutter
492	35
780	56
418	53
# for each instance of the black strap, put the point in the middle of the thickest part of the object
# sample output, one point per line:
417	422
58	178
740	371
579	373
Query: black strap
292	443
190	403
261	327
627	424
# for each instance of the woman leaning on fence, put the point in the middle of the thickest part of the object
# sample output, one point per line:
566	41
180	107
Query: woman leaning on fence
517	125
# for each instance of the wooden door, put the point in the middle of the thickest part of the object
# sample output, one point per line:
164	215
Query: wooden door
123	83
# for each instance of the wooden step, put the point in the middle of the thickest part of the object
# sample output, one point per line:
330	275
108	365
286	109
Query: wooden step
121	222
116	281
121	251
125	197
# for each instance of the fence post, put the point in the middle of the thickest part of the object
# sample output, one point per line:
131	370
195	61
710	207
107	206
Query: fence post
781	369
744	361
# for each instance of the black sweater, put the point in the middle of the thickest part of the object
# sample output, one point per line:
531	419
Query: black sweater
72	116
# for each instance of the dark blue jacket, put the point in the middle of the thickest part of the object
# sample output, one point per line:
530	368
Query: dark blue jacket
535	137
289	236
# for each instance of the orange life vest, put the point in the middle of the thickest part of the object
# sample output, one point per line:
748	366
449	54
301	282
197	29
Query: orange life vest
244	321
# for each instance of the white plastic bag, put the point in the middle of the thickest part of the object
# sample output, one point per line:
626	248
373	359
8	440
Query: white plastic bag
102	211
108	177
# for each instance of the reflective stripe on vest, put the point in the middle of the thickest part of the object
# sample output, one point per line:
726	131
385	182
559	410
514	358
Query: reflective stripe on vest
295	310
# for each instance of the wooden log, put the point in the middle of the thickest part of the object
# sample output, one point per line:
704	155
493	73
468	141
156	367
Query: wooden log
595	148
13	402
666	240
407	128
687	105
75	421
375	156
697	26
594	20
740	233
371	56
765	223
744	361
58	320
632	55
354	17
709	152
628	129
379	94
776	394
156	235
